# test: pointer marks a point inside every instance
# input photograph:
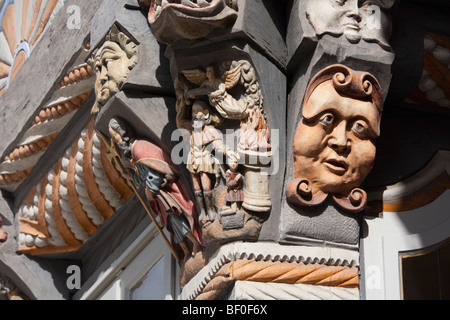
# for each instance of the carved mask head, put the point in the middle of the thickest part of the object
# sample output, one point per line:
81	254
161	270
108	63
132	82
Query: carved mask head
172	20
112	64
355	19
334	144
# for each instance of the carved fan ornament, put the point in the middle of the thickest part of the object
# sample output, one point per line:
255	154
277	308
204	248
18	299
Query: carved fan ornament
433	89
22	22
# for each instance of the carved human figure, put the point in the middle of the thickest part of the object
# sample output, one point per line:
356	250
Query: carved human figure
334	147
206	144
112	64
355	19
235	192
248	108
151	168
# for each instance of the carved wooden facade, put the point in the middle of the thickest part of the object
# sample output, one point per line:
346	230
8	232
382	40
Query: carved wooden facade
267	141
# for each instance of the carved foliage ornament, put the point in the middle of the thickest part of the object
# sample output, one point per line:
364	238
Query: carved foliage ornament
334	146
112	64
355	19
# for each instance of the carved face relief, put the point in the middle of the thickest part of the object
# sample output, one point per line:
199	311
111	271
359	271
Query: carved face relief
111	67
112	64
334	147
355	19
173	20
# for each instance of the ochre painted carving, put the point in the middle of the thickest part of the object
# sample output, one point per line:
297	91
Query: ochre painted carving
433	89
172	20
73	201
112	64
149	167
356	20
334	146
314	274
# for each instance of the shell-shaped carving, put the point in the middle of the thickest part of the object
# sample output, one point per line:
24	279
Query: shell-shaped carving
78	195
22	22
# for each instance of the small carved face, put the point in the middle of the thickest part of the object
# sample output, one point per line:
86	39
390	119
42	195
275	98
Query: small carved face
112	69
199	112
334	147
355	19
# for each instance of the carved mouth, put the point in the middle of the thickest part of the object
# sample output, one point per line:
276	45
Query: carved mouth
337	166
352	25
187	6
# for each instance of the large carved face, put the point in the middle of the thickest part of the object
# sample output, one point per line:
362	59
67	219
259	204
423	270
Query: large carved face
172	20
334	143
355	19
112	69
112	64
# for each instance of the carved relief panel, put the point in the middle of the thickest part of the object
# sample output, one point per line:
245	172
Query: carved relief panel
221	106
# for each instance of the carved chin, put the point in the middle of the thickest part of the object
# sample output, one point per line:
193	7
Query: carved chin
172	20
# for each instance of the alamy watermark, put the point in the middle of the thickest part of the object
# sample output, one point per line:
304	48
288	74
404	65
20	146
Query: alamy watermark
74	20
73	281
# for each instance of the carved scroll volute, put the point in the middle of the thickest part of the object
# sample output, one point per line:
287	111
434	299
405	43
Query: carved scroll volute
334	146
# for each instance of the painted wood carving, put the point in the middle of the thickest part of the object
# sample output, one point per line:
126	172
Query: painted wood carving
172	20
112	64
150	167
356	20
230	188
334	147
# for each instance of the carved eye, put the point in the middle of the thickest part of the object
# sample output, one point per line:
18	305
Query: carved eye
327	120
360	128
107	61
340	2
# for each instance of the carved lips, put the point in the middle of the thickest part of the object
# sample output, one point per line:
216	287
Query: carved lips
337	166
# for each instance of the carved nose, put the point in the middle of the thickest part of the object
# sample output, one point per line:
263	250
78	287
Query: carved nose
339	140
353	12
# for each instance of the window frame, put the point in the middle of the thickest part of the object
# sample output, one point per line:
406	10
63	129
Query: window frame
123	273
394	233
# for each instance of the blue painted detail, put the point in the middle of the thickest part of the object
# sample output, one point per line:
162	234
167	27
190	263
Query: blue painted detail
6	4
22	47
